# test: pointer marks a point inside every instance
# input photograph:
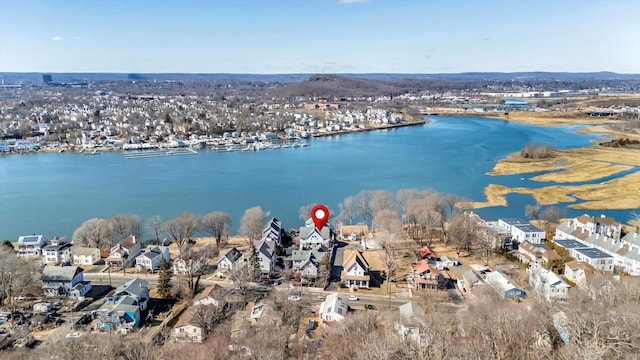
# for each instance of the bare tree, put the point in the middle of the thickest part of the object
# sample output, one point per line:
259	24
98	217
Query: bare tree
217	224
154	226
387	221
551	215
390	258
252	223
16	275
363	205
94	232
462	232
305	211
532	211
634	220
487	241
122	226
246	274
405	196
195	261
182	228
348	209
380	200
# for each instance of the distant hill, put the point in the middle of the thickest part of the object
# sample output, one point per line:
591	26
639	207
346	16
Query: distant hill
36	77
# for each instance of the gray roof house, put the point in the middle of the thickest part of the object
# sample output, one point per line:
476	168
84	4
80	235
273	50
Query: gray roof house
136	288
31	245
59	280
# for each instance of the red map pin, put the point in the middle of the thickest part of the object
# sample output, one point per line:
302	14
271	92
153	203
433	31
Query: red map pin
320	216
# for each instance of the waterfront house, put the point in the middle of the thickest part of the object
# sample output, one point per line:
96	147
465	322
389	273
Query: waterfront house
273	231
230	262
570	245
56	253
355	273
311	237
152	257
265	256
85	255
124	252
504	286
31	245
60	280
426	276
547	283
602	225
334	308
353	232
522	231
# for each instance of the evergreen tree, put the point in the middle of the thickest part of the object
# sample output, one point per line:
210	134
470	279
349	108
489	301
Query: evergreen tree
164	280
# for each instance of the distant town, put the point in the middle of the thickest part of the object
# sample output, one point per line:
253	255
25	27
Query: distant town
250	115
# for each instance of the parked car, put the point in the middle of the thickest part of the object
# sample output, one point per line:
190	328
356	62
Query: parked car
312	325
293	298
353	298
74	335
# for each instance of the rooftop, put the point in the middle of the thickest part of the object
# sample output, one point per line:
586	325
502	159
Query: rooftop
593	253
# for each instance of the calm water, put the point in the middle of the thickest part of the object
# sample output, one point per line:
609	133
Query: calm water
53	193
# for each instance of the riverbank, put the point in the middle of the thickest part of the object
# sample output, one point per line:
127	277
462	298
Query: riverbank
373	128
579	165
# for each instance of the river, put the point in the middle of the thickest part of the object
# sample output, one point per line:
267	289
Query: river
53	193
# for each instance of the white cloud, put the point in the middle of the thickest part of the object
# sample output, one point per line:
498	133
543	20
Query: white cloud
353	1
57	38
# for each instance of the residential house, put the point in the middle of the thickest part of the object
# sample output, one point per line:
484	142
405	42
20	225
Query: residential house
152	257
137	289
411	321
180	266
426	276
265	256
469	281
530	253
602	225
355	271
631	259
31	245
211	295
307	262
547	283
84	255
119	313
596	258
334	308
230	262
504	286
124	252
187	328
311	237
426	253
570	245
353	232
586	276
56	253
273	231
60	280
522	231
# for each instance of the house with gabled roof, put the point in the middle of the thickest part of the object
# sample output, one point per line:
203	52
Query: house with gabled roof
469	281
265	255
85	255
152	257
311	237
504	286
425	275
334	308
187	328
60	280
602	225
536	253
273	231
586	276
547	283
137	289
307	262
123	253
31	245
56	253
212	295
355	271
232	261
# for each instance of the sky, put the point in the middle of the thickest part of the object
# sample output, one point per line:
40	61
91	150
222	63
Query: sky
319	36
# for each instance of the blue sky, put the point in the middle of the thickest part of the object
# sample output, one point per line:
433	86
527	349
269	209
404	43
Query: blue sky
313	36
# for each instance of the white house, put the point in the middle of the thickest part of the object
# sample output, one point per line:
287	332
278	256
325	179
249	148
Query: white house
599	225
124	252
547	283
522	230
334	308
596	258
311	237
586	276
355	271
211	295
187	329
31	245
152	257
273	231
56	253
232	261
265	255
84	255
